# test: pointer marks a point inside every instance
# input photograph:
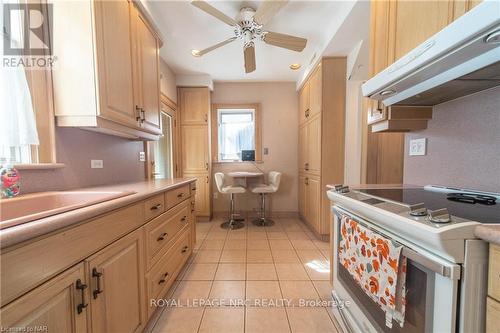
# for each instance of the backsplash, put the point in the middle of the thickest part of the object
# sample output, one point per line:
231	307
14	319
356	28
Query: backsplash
463	144
75	148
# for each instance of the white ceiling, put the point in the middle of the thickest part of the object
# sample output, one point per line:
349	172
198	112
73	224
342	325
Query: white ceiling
185	27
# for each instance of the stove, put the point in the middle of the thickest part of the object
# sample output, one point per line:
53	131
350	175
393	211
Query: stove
447	264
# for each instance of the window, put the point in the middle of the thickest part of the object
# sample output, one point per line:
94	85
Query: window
163	152
237	129
27	126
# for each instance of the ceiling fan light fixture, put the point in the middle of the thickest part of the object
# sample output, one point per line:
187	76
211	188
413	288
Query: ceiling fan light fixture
196	53
294	67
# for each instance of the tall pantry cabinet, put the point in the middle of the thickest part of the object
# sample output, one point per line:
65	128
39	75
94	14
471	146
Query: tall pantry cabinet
321	140
194	107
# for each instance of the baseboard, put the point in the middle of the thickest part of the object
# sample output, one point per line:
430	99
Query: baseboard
323	237
254	214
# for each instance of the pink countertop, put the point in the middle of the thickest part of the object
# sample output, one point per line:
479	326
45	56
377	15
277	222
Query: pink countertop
20	233
489	232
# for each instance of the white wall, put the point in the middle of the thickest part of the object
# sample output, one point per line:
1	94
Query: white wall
279	104
168	81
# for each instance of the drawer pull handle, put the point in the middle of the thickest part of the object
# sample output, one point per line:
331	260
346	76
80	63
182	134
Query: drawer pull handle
183	219
180	195
155	207
163	280
162	237
98	276
184	249
81	286
193	189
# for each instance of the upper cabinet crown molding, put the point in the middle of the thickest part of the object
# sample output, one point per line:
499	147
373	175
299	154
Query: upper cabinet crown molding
106	77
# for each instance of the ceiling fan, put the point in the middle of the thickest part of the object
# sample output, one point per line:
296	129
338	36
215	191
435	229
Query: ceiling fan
248	27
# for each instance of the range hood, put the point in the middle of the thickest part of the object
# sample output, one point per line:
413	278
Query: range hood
461	59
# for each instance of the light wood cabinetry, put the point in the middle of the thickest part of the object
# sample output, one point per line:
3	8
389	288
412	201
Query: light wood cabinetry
95	276
147	73
59	305
493	300
117	286
321	140
303	102
106	77
196	161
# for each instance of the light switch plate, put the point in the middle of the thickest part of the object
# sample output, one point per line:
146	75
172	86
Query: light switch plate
142	156
96	164
266	151
418	147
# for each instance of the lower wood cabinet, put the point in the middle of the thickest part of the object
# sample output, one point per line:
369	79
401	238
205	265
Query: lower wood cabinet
59	305
492	316
202	196
107	285
117	286
310	200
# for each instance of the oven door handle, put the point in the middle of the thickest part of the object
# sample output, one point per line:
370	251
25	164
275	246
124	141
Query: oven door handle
450	271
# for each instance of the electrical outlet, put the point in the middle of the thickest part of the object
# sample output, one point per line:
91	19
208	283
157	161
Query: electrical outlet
266	151
96	164
418	147
142	156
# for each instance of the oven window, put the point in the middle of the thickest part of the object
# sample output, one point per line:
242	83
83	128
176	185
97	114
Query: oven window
419	285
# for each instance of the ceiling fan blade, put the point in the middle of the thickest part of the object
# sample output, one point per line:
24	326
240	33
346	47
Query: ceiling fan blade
216	46
267	10
285	41
249	58
214	12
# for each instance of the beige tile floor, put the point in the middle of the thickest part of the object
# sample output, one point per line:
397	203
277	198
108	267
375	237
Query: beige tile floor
252	280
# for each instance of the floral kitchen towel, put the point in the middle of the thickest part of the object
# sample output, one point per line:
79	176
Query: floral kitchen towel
377	265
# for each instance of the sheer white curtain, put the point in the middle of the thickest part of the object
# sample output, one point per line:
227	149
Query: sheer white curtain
17	118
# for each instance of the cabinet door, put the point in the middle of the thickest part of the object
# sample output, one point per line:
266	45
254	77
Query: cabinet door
315	92
492	315
302	147
55	306
117	286
195	148
303	102
313	202
314	145
114	61
148	72
194	105
302	196
412	22
202	197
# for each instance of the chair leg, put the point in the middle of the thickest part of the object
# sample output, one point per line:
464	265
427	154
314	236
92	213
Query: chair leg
262	221
232	223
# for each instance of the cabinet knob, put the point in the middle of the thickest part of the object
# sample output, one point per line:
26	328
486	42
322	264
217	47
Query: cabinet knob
184	249
306	181
164	278
306	166
155	207
183	219
162	237
180	195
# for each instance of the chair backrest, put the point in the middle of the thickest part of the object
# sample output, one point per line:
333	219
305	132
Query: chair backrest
219	180
274	179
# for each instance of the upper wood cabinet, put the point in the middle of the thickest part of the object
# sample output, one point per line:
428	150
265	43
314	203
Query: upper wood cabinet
58	305
106	76
315	92
147	77
304	102
195	105
117	286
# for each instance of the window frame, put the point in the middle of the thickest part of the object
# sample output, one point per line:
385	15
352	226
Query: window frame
215	129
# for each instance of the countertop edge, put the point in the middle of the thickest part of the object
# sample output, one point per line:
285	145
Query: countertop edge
489	233
28	231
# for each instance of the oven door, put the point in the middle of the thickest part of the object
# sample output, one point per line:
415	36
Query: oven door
431	283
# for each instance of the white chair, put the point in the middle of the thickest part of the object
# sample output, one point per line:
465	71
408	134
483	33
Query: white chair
232	190
273	179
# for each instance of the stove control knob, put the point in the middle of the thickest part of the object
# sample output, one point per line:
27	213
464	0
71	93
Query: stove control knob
337	187
418	210
439	216
343	189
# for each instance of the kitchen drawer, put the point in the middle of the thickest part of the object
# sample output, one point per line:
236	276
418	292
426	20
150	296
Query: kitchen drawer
494	272
154	206
164	272
162	230
177	195
492	316
192	187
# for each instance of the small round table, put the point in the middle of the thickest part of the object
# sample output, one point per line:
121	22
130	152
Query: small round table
240	177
